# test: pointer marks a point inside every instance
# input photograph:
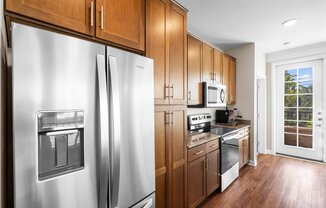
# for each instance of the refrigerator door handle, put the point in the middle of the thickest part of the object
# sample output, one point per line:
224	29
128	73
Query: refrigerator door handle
148	204
104	132
115	139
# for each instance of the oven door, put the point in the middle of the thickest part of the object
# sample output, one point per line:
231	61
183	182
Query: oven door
229	154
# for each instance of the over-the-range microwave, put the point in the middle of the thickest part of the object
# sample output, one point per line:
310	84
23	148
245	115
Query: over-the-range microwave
214	95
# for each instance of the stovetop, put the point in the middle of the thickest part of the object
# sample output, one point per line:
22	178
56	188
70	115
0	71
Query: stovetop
221	130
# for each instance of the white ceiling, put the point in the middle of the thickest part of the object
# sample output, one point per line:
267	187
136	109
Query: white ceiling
232	23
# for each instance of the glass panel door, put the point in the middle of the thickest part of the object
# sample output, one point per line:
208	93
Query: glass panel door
299	109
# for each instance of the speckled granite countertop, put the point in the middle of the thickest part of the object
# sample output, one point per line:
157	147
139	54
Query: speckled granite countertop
197	138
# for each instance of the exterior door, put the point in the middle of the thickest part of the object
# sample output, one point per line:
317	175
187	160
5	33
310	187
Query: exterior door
299	110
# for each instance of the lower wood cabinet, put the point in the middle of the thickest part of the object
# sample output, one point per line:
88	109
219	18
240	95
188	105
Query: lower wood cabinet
203	172
170	156
244	149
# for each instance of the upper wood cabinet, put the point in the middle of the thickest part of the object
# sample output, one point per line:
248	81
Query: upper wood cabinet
71	14
121	22
229	78
207	63
116	21
217	66
194	71
178	51
166	30
232	81
157	39
170	156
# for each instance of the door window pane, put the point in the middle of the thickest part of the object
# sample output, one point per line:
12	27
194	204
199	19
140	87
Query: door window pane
290	126
290	88
305	114
290	75
290	113
305	87
305	100
305	74
305	128
290	101
305	141
290	139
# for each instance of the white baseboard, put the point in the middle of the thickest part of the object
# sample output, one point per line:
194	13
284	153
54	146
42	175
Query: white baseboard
269	152
252	163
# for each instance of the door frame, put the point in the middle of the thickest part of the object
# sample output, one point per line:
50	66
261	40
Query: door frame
274	65
261	115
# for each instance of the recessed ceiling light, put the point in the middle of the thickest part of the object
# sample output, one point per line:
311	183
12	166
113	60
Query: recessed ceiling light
286	43
289	22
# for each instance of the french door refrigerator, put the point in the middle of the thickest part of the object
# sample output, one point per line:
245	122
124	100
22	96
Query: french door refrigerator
83	123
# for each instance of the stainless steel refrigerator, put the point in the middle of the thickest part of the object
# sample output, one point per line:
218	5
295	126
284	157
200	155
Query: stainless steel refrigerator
83	123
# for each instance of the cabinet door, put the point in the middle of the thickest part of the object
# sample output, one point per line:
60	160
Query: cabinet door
121	22
213	169
194	72
162	140
196	182
246	150
232	82
241	151
70	14
157	46
217	66
178	50
225	75
178	156
207	65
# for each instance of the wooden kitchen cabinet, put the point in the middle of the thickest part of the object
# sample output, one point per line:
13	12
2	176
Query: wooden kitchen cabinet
170	156
121	22
213	170
207	63
71	14
166	30
217	66
229	78
118	22
203	172
232	81
244	149
196	182
195	89
178	52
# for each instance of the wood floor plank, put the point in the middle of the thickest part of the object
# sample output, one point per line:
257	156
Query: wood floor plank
276	182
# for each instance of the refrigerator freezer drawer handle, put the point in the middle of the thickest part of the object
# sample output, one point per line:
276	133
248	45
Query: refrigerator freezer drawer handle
115	131
148	204
104	132
61	132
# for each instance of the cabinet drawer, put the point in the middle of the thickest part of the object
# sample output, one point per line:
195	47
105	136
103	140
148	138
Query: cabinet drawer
212	145
196	152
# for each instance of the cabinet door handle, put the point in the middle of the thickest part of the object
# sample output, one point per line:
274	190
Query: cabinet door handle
172	119
167	91
207	164
102	17
215	145
200	152
167	118
215	76
92	13
172	88
189	95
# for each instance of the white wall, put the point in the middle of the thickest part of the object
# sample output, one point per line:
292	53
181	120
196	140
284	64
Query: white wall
245	88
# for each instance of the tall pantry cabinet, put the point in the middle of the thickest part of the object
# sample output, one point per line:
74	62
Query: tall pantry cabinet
166	44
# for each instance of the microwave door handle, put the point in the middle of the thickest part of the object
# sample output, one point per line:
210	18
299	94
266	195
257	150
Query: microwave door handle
222	95
115	131
104	132
61	132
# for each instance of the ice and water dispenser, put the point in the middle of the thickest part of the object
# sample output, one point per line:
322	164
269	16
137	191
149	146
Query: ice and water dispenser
60	143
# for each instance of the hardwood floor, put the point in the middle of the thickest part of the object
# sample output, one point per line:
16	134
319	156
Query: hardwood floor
275	182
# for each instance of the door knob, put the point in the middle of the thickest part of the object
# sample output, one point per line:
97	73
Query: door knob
320	119
318	125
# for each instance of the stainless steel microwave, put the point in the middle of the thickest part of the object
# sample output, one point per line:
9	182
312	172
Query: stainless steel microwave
214	95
